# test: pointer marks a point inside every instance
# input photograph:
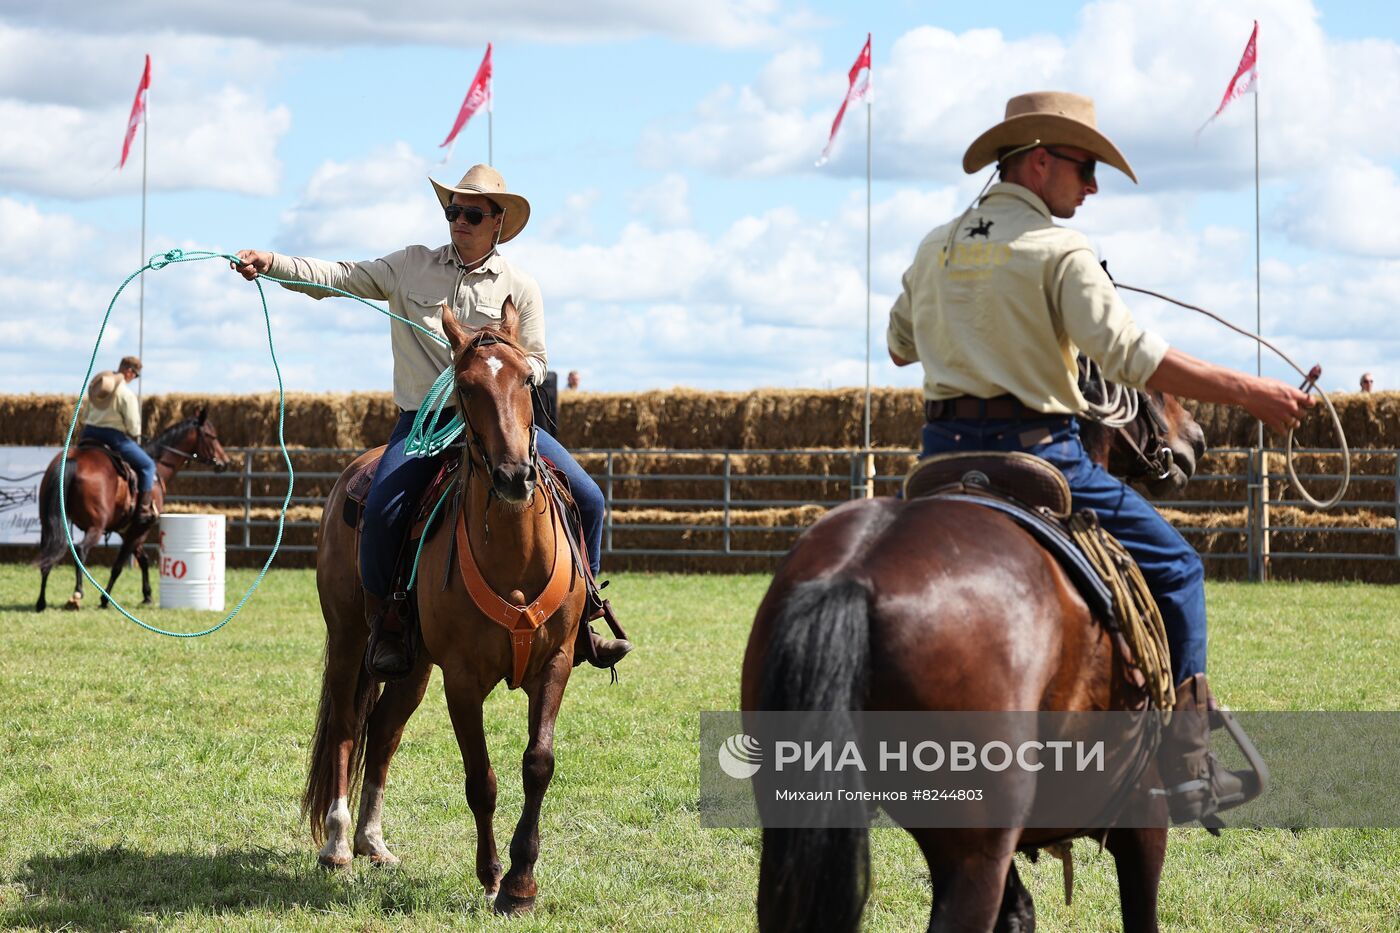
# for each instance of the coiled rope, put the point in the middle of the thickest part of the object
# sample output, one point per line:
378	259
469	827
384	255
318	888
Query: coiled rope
1308	384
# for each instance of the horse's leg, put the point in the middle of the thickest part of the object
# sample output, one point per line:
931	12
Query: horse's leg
42	604
396	704
123	558
1017	913
969	872
347	699
465	696
1138	855
546	692
143	560
84	547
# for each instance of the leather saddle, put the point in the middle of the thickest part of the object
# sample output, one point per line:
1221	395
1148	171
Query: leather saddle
125	471
1031	492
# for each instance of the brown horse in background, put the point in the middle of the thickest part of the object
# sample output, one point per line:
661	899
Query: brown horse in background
513	534
100	502
894	605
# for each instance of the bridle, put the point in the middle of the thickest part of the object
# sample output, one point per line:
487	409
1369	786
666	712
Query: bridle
476	446
1146	440
198	456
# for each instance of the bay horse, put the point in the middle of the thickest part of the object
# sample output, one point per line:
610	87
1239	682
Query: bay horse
893	605
515	536
100	502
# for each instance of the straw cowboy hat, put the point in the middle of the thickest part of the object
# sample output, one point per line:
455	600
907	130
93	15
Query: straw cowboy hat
485	180
103	387
1054	118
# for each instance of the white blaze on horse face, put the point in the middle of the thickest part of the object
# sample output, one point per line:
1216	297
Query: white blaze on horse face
495	365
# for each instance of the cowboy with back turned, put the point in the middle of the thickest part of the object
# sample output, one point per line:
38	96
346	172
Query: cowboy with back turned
996	307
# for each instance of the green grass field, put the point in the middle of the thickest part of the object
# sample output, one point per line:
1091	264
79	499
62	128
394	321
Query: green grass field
149	782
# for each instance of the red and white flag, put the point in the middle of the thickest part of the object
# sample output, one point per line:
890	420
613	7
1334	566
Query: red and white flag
1245	77
854	92
479	93
138	112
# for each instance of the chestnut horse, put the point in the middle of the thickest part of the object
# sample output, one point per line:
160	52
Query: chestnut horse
100	502
893	605
513	534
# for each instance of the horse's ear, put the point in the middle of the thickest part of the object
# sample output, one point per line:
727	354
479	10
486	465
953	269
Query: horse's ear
510	319
456	333
203	413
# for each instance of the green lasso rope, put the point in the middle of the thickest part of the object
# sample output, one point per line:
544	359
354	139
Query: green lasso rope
424	442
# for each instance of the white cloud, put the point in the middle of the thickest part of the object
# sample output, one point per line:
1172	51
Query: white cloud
65	122
1156	72
1348	207
322	22
353	209
666	203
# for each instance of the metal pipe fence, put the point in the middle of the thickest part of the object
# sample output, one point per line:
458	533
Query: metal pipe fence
718	509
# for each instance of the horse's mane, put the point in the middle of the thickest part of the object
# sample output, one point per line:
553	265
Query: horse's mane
165	437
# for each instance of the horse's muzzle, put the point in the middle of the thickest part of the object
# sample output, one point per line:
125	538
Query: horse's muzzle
514	482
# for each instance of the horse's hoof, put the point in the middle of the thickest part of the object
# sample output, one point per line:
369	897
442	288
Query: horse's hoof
73	605
333	862
40	606
511	906
384	860
146	601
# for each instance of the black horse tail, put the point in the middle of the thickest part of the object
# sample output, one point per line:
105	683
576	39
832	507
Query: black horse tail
816	878
53	542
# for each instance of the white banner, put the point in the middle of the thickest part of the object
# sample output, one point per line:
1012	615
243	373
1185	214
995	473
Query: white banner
21	469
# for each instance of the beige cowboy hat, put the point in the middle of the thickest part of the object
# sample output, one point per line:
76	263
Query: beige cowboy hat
103	387
485	180
1055	118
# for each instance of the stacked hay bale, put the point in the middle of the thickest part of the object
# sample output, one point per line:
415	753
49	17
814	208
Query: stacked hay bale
763	428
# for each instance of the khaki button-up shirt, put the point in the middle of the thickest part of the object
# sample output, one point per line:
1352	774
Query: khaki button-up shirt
122	412
416	281
1010	309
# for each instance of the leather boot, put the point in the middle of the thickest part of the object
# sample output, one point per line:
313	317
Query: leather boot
599	651
146	508
1197	784
386	655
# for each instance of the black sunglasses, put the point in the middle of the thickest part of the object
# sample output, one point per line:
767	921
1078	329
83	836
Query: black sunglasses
472	215
1086	166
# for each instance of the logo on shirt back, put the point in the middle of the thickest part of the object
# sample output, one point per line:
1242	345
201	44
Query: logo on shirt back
982	228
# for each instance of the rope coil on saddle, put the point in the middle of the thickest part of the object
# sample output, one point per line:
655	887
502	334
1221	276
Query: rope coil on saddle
1139	619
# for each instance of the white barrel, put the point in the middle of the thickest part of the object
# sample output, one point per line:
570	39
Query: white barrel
192	562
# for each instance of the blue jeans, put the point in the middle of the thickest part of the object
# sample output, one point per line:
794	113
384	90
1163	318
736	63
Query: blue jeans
130	451
1172	567
401	481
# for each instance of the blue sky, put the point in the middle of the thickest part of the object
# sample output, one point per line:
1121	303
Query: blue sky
680	231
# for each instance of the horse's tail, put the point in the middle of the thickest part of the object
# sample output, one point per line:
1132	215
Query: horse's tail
818	659
52	539
322	774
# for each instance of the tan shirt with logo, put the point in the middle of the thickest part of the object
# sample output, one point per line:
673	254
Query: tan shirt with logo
415	282
1009	311
122	412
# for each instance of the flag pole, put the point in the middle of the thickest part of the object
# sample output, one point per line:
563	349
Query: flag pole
1259	328
868	118
145	149
490	112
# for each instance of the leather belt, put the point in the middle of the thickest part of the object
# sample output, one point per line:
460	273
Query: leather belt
968	408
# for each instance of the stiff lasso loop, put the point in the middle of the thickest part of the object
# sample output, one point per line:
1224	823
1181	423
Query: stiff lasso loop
427	442
1308	384
160	261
